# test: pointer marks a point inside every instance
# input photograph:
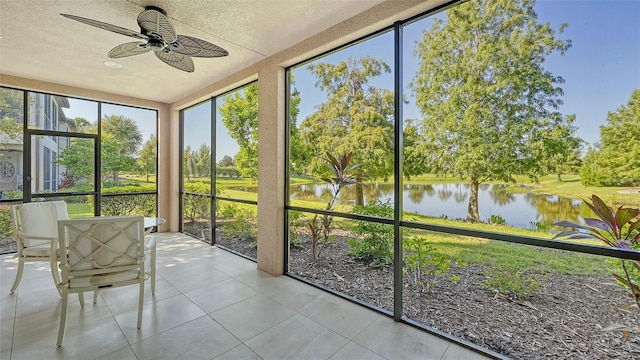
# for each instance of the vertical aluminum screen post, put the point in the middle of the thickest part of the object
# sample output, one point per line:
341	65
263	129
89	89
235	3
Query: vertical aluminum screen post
213	203
397	174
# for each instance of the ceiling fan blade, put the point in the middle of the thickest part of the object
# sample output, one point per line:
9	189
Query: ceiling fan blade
109	27
178	61
187	45
129	49
155	22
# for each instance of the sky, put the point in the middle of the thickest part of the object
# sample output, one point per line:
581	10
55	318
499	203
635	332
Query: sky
601	69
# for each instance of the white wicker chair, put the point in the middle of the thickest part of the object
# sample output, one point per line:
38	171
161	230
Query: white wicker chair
100	253
36	232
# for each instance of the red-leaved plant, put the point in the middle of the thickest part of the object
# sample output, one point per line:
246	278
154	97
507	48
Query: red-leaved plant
615	227
343	175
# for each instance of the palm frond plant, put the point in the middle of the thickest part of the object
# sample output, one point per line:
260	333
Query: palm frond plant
343	175
618	228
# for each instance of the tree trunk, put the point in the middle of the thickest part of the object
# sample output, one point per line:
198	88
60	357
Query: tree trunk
559	178
359	194
472	212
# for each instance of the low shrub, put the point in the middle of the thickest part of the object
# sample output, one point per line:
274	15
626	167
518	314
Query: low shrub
513	283
422	263
239	222
6	223
376	240
497	220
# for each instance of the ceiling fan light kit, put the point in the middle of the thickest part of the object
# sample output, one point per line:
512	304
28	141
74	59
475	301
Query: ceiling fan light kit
158	35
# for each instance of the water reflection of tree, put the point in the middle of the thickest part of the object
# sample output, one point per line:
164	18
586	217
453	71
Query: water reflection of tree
552	209
303	193
461	194
371	192
501	196
444	194
416	194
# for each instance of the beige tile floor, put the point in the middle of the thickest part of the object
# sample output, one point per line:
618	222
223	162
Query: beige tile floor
209	304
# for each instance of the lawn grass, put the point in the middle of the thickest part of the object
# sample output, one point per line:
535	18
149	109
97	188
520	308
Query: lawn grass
571	187
465	250
511	257
503	255
77	210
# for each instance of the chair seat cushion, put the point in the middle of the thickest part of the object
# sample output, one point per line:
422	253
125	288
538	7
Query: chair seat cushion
37	251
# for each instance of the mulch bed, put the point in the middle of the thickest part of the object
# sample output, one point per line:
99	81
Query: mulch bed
565	319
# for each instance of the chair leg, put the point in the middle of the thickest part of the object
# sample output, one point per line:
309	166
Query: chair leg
55	274
95	296
16	282
153	270
81	298
140	303
63	315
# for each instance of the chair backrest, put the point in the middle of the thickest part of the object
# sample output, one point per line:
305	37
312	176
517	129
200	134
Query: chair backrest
38	220
100	244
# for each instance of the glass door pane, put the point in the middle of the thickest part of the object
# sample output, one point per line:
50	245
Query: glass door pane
62	164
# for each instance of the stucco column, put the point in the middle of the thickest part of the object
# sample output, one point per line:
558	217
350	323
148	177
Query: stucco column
168	168
271	140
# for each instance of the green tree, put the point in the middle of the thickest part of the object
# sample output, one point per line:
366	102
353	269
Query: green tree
11	115
616	159
483	91
78	158
119	146
187	163
83	125
202	159
558	149
240	117
148	156
120	141
299	152
226	161
356	118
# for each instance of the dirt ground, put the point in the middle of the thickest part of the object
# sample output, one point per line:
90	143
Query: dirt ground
564	319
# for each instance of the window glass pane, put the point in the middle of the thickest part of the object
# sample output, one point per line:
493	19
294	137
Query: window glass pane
196	161
516	139
196	171
61	113
62	164
349	256
518	300
341	142
196	216
237	143
128	149
236	227
509	125
11	143
342	108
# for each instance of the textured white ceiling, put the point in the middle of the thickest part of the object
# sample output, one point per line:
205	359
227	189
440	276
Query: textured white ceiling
37	43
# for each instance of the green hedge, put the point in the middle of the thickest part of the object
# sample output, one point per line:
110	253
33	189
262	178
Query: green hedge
129	202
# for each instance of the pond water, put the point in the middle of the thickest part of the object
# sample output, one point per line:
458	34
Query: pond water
451	201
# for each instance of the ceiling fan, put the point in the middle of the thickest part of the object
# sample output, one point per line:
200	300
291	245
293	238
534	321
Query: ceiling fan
158	35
